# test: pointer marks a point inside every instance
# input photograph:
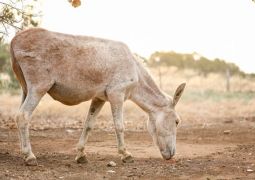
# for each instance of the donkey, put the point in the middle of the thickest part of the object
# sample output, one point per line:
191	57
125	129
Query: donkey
74	69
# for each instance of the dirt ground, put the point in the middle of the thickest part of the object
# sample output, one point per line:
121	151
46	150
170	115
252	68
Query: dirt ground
202	153
215	140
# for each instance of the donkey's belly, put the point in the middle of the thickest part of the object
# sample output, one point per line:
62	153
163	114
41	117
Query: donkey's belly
70	96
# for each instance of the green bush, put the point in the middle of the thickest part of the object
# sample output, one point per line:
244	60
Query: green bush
193	61
5	67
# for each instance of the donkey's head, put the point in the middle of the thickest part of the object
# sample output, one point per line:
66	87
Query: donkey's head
162	125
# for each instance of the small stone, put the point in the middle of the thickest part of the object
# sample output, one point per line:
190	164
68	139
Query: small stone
111	164
110	171
227	131
249	170
70	131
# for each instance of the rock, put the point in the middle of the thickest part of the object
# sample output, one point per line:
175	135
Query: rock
227	131
110	171
111	164
70	131
249	170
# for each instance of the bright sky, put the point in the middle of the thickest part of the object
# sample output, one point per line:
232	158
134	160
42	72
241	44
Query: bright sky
213	28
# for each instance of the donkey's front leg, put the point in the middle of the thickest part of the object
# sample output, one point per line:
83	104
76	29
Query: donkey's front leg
95	107
116	102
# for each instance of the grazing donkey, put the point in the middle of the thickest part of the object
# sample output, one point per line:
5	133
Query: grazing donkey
74	69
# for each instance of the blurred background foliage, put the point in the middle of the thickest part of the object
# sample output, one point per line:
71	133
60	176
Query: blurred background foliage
7	77
16	15
194	61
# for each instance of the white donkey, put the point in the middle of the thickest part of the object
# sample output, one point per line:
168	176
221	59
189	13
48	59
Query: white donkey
74	69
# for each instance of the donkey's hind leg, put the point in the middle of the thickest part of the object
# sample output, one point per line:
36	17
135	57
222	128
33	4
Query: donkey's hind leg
23	117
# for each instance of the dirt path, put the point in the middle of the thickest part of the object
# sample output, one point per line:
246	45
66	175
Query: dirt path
205	153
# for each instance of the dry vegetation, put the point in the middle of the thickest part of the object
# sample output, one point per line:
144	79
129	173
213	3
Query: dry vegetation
204	103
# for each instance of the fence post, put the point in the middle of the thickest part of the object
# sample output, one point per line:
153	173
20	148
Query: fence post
227	80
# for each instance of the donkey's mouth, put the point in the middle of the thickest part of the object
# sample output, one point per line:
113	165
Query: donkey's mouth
168	158
167	155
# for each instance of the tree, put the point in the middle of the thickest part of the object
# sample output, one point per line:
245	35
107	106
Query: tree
194	61
16	15
4	56
5	65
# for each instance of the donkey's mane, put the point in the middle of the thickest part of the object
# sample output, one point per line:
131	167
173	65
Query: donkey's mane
144	72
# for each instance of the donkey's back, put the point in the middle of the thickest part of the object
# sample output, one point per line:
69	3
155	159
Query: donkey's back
71	68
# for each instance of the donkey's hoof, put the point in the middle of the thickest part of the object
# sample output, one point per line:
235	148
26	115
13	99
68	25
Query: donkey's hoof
81	160
127	159
31	162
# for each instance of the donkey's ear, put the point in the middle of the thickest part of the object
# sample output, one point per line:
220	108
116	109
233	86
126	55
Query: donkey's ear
178	93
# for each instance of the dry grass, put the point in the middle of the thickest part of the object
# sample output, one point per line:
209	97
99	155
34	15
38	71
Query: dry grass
171	77
205	103
52	114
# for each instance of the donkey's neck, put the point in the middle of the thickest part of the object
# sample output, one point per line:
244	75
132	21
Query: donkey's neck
147	94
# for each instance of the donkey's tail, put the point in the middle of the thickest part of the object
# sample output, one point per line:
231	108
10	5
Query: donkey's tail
18	72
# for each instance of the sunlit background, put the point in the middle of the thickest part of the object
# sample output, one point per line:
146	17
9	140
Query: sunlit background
213	28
